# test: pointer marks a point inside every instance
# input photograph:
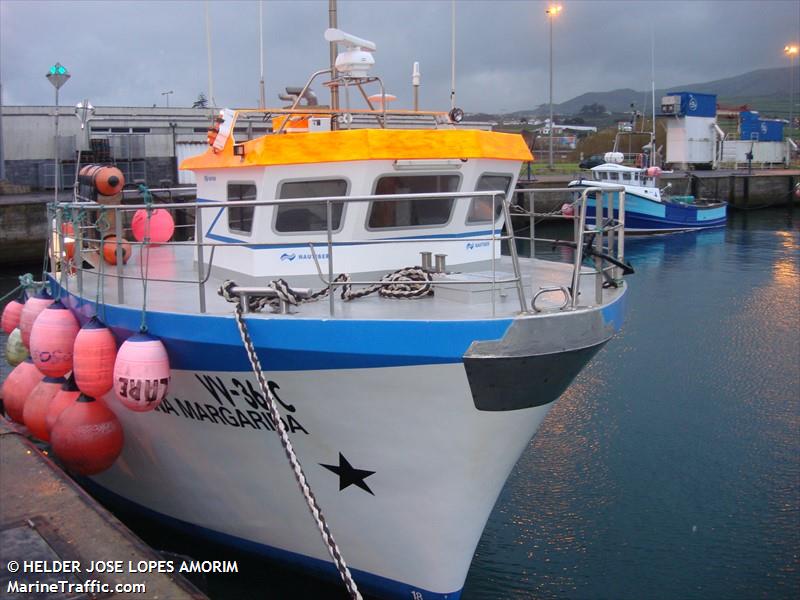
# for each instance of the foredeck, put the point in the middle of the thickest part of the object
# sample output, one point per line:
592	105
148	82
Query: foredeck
169	264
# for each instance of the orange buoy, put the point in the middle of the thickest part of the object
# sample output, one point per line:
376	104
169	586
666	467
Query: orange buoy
94	354
88	436
108	180
161	228
141	372
64	398
110	250
33	306
12	313
37	405
18	386
52	340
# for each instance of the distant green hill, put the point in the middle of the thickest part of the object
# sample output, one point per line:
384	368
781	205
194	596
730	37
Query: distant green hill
765	90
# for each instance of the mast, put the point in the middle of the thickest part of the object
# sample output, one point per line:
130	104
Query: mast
333	24
208	49
653	89
452	54
262	96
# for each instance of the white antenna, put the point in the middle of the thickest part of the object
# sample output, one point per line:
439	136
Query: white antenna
415	77
262	96
653	88
208	47
453	54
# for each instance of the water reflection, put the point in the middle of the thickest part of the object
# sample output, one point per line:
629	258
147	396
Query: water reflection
671	468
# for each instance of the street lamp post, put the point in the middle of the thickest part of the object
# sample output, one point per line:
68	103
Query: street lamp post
166	95
791	51
58	76
551	12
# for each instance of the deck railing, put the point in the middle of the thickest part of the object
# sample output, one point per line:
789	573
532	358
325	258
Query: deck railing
88	217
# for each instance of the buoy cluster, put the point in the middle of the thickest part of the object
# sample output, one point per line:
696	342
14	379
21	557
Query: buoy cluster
63	374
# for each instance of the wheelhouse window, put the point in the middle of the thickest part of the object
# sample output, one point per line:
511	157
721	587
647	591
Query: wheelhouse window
412	213
240	218
480	209
312	216
626	176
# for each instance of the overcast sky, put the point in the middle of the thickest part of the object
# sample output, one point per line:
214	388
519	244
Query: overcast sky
127	53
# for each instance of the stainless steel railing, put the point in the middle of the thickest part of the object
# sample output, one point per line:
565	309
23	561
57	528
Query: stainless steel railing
608	232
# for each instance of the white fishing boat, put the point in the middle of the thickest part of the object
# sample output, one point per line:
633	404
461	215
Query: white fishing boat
404	409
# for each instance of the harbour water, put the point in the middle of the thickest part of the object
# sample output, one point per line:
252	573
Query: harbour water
670	469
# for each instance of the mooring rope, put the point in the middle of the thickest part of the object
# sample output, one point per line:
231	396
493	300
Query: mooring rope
299	475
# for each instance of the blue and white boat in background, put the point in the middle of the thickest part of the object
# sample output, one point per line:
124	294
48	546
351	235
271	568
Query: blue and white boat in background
646	209
408	407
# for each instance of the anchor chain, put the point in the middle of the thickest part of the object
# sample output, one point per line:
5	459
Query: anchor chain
408	283
288	449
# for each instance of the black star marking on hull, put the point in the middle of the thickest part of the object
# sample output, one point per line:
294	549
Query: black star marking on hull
348	475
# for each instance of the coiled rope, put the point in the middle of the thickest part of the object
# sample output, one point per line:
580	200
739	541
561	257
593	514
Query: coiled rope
288	449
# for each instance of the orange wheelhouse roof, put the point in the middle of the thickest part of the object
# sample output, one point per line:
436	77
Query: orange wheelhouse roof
365	144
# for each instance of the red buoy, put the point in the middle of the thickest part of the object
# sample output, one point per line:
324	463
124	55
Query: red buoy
64	398
141	372
18	386
110	250
160	229
33	306
94	354
88	436
12	313
52	338
37	405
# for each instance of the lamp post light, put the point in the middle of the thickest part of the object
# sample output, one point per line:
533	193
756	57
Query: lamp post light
791	51
552	13
58	76
166	95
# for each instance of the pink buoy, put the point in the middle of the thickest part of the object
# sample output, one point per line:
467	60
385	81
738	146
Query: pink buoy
87	436
162	225
52	339
653	171
567	209
141	372
64	398
94	354
33	306
18	386
12	313
37	405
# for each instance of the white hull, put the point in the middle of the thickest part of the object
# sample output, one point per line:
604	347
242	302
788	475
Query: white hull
439	465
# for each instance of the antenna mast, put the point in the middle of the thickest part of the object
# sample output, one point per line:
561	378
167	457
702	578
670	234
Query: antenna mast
453	54
262	95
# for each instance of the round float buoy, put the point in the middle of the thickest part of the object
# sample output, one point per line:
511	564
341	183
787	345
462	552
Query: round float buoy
88	436
162	226
94	354
38	404
64	398
52	339
12	313
16	351
18	386
568	209
141	372
33	306
653	171
110	250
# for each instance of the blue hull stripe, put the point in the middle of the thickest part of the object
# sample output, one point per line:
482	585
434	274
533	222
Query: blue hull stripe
212	342
367	582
